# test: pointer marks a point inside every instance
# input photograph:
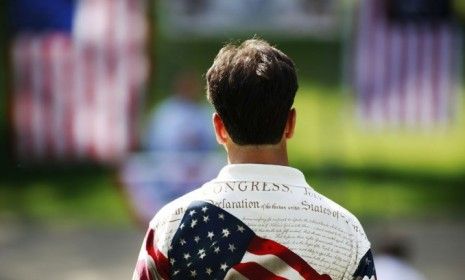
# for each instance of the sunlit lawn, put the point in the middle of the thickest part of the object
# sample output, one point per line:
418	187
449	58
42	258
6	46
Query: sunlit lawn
387	173
329	133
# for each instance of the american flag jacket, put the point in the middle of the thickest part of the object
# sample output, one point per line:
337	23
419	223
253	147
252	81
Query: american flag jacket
255	222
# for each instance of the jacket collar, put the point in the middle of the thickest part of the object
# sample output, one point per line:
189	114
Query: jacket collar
262	172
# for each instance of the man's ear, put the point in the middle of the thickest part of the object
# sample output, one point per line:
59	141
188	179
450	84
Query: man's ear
220	130
290	124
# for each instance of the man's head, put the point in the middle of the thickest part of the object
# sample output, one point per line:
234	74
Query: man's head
252	87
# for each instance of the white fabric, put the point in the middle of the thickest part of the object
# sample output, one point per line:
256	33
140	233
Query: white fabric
278	204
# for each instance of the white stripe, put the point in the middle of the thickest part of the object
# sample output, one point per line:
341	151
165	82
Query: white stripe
79	89
426	88
379	52
234	275
394	85
122	90
273	264
57	124
410	82
457	95
101	133
363	66
78	100
443	74
152	267
38	119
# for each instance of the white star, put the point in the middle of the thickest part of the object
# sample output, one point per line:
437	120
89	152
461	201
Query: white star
194	222
216	250
224	266
197	239
172	261
193	273
221	216
187	256
182	242
175	272
209	271
240	228
202	256
204	209
205	219
210	235
181	226
192	212
201	251
231	247
225	232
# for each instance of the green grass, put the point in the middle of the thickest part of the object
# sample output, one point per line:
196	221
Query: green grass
328	133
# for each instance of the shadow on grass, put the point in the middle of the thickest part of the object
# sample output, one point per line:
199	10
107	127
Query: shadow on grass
64	193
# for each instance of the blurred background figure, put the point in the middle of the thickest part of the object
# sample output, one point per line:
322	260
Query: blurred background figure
392	261
193	7
182	122
179	150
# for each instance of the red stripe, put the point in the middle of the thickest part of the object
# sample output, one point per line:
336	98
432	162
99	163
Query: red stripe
253	270
261	246
111	57
142	270
161	262
46	104
68	106
56	110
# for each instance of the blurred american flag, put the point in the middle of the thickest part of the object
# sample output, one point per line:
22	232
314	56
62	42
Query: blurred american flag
406	73
77	90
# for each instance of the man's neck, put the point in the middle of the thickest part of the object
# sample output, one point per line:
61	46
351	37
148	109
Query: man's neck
261	154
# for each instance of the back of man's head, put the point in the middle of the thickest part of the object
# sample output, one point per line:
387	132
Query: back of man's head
252	87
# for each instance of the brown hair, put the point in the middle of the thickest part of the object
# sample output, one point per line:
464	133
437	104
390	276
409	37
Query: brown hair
252	87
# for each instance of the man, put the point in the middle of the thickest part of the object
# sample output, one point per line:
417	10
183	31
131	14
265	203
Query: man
178	123
258	219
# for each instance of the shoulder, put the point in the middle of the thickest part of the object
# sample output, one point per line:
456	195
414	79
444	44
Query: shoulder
173	211
167	220
347	216
346	219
